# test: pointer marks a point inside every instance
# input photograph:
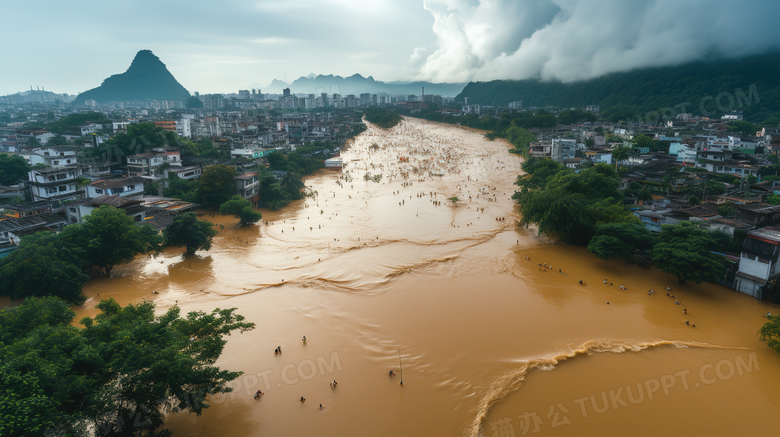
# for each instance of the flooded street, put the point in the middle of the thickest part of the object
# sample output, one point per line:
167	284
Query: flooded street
369	267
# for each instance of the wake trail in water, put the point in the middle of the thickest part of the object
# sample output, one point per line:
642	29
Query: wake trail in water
513	379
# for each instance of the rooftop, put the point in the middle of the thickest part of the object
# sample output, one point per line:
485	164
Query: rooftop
117	182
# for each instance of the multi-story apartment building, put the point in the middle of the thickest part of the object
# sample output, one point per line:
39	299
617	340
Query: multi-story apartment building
55	183
148	164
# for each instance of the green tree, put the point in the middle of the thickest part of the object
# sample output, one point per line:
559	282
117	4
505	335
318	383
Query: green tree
620	154
684	250
187	231
126	367
216	185
111	237
13	169
774	199
619	240
694	201
645	195
242	209
770	333
42	266
726	210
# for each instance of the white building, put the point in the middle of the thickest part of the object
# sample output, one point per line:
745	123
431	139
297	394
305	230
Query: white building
758	261
122	187
55	183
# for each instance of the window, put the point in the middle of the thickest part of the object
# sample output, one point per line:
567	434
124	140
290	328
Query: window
750	257
98	191
62	188
131	187
68	161
73	210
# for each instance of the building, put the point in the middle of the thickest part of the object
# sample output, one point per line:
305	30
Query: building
14	229
248	185
563	149
758	261
55	183
189	173
517	105
148	164
29	209
116	187
77	211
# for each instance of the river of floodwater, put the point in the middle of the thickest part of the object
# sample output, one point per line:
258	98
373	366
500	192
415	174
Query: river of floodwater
489	342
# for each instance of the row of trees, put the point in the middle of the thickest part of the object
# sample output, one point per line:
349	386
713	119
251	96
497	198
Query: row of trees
382	117
587	209
47	264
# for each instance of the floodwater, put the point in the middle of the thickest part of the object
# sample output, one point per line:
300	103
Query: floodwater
489	342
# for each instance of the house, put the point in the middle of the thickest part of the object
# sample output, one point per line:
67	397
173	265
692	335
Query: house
14	229
55	183
148	164
279	174
29	209
7	194
117	186
562	149
758	214
76	211
334	163
247	185
189	173
156	205
758	261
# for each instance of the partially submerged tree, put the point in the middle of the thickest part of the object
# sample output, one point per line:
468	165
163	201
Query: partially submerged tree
242	209
187	231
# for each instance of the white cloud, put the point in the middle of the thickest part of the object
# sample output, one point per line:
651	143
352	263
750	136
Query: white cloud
572	40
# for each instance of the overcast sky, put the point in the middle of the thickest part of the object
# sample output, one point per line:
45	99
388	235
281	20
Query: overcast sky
223	46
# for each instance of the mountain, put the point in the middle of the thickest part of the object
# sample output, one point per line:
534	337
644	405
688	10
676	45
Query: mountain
689	88
146	79
357	84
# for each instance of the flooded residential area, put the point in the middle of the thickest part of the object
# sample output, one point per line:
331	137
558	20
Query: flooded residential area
382	269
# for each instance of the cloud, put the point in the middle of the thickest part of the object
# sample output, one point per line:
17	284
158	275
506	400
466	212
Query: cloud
572	40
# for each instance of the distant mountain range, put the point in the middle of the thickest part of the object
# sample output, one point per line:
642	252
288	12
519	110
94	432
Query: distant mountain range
357	84
146	79
691	88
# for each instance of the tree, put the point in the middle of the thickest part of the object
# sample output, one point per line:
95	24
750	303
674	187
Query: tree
13	169
684	250
693	201
770	333
774	199
117	376
112	237
620	154
619	240
41	266
216	185
242	209
151	188
727	209
645	195
187	231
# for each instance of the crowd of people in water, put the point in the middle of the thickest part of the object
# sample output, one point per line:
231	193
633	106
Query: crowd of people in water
544	267
333	384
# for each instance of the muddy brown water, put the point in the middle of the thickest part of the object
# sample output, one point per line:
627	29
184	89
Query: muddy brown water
489	343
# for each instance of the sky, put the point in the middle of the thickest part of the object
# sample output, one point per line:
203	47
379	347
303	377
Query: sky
210	46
